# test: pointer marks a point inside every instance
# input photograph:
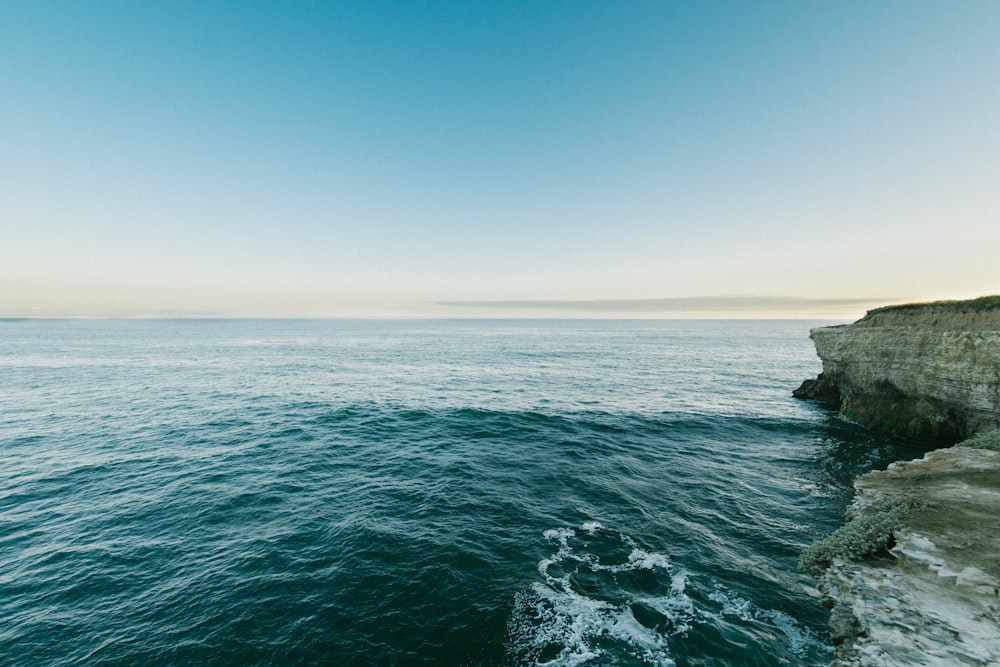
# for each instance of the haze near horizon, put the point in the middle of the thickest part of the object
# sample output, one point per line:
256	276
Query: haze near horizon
497	159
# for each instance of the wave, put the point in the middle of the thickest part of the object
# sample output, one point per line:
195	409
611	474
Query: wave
604	599
568	421
584	609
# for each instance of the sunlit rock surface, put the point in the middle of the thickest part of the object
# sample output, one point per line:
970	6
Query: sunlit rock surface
937	601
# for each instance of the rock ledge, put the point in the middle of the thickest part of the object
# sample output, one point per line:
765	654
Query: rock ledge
938	601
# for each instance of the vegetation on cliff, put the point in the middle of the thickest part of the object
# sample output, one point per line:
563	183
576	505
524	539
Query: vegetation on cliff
983	304
866	535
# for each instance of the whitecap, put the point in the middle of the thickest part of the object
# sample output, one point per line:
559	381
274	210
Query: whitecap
648	561
676	606
733	605
558	628
559	534
557	625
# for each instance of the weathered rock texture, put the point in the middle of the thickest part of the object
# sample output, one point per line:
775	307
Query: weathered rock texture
937	603
926	371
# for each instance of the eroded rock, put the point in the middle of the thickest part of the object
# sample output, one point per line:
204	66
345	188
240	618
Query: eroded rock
926	371
931	372
938	601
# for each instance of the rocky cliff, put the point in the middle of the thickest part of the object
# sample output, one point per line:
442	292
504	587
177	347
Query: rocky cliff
926	371
934	601
913	578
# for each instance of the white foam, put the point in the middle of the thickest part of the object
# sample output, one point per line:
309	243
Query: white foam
799	639
733	606
562	536
578	624
559	534
647	561
555	625
676	606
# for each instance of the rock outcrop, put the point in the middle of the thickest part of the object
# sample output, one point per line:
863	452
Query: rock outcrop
925	371
930	372
936	602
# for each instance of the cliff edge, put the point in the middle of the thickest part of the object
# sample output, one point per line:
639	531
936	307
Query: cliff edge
925	371
913	577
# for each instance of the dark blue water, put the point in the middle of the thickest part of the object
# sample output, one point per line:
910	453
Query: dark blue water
245	492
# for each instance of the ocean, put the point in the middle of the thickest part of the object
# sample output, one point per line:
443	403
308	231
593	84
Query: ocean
416	492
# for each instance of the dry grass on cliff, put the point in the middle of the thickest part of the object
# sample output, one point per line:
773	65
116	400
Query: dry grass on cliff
980	305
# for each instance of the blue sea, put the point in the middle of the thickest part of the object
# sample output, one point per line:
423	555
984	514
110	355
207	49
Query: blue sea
403	492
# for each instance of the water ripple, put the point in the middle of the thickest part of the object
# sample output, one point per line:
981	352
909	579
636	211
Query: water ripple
349	493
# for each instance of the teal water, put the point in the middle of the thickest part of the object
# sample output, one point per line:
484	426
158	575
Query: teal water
274	492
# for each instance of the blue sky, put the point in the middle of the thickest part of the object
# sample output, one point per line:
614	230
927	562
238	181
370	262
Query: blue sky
497	159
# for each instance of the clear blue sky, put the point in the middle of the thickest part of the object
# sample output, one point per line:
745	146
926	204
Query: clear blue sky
469	159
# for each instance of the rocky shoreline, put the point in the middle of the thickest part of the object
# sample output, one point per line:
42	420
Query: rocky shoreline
913	578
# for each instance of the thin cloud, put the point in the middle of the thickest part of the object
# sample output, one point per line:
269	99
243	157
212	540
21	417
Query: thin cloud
676	305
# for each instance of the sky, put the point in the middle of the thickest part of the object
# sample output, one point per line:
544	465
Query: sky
497	159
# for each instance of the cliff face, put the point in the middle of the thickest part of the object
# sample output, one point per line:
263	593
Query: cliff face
926	371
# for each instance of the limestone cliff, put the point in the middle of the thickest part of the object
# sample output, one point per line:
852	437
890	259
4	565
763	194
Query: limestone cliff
926	371
914	576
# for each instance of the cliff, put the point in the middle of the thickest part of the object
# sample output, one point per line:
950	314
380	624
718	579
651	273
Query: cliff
925	371
913	577
935	601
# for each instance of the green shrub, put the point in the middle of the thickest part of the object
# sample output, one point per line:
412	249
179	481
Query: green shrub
865	535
